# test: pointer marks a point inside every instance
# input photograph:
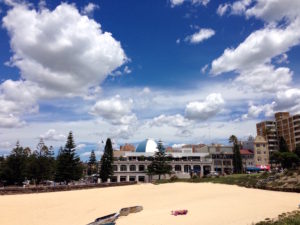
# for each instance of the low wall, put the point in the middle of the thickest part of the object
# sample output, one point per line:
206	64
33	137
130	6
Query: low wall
43	189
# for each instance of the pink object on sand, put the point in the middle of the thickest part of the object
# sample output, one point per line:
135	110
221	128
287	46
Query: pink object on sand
179	212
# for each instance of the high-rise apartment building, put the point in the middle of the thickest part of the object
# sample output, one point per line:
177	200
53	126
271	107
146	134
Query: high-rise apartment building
267	129
288	127
285	126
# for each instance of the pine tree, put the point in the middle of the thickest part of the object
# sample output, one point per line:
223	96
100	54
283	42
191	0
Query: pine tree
237	158
283	147
68	162
106	169
92	164
159	166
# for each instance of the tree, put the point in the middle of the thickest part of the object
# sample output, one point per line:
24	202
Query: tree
40	166
297	150
237	158
283	147
233	139
92	164
288	159
106	169
14	168
159	166
68	165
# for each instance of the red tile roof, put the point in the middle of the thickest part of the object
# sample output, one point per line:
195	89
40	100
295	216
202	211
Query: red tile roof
246	152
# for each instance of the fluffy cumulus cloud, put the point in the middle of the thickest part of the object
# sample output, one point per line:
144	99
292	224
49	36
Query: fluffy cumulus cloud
170	120
255	111
59	53
193	2
53	135
200	36
202	110
114	110
265	78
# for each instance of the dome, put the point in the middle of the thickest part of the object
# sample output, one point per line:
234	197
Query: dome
147	145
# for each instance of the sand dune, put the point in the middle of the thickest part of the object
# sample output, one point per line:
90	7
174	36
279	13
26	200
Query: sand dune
209	204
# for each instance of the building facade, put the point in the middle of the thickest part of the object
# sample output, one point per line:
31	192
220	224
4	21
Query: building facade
284	125
132	166
261	151
268	130
247	158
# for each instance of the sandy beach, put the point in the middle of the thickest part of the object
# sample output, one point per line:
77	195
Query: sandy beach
210	204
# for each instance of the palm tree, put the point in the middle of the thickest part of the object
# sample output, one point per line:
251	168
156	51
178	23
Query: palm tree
233	139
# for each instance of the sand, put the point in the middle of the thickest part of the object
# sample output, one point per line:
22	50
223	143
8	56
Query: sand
209	204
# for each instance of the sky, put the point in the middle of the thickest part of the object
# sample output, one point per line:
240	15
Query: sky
183	71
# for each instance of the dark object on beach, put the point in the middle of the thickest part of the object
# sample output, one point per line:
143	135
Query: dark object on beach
111	218
179	212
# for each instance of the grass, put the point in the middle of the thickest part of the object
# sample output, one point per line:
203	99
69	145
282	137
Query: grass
247	180
292	218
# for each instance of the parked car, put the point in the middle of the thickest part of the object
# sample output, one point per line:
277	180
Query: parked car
213	174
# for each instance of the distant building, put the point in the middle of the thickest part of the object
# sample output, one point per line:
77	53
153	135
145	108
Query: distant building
247	158
288	127
132	166
267	129
261	151
249	144
127	147
221	156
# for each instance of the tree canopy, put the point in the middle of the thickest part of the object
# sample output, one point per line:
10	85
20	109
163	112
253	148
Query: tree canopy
106	168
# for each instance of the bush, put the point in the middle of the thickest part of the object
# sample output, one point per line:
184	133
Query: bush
173	178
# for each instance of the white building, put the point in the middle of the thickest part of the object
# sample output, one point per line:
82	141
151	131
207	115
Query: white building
132	166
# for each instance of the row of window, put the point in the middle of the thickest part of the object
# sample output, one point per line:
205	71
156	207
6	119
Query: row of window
141	168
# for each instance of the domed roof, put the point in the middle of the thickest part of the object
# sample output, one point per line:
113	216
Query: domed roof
147	145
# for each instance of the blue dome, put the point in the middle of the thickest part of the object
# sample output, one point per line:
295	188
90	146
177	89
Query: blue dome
147	145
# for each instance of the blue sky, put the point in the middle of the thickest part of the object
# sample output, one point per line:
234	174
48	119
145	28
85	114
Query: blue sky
184	71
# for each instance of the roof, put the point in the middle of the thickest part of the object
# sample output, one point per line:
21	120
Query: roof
147	145
246	152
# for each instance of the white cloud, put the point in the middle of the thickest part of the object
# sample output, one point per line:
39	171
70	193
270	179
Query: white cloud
255	111
53	135
200	36
80	146
5	145
60	53
127	70
193	2
10	121
265	78
171	120
62	50
237	8
208	108
89	8
222	9
115	110
204	69
275	10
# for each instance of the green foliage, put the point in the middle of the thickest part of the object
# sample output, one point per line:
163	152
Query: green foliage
297	150
92	164
159	166
286	159
237	158
283	147
68	165
106	169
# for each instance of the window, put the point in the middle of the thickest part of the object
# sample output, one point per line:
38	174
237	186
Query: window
258	159
258	152
132	178
123	178
177	168
123	168
132	168
141	168
257	145
264	145
141	179
115	168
